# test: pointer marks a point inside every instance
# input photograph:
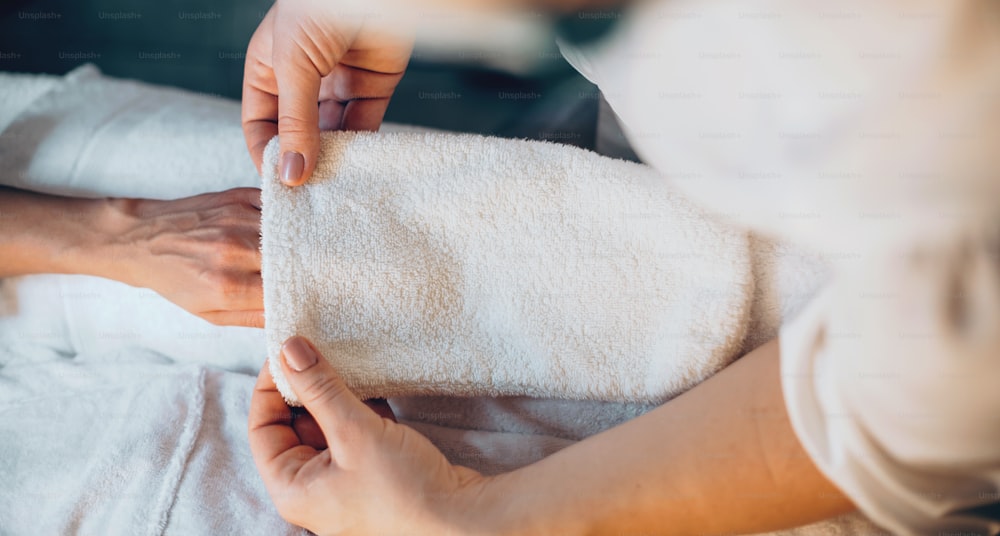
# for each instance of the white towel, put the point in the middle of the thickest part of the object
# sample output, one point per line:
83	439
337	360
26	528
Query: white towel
459	264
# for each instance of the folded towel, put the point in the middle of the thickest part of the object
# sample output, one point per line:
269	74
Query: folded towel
428	263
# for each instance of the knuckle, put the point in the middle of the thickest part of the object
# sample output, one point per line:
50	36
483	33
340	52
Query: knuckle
229	197
215	279
295	126
324	389
224	284
327	391
231	247
240	197
259	70
232	241
245	196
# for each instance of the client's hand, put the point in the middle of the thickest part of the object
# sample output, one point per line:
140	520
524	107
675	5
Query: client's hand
341	468
201	252
344	55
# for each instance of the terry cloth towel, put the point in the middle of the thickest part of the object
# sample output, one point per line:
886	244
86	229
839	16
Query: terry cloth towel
430	263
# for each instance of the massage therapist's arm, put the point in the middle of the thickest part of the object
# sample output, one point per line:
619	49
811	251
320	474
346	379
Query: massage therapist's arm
719	459
201	253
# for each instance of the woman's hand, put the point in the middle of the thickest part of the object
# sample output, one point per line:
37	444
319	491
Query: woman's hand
201	252
341	468
344	55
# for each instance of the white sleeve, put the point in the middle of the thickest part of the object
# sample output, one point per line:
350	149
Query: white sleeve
830	124
891	382
854	128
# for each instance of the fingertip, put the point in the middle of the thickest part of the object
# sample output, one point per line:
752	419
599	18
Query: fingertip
257	162
297	159
340	414
292	167
265	382
306	173
299	354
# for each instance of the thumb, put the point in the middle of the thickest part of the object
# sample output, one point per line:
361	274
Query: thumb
298	81
341	416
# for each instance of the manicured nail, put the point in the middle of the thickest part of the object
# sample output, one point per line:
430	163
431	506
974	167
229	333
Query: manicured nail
299	354
292	164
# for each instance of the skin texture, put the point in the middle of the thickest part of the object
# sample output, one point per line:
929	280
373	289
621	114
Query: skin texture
736	448
316	52
201	252
727	441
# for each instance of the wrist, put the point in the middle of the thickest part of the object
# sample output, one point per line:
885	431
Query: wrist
96	246
507	504
479	507
52	234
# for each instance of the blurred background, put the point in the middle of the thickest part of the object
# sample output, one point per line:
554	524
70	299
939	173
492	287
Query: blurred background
199	45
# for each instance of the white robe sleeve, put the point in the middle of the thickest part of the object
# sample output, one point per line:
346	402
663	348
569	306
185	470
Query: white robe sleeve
891	382
869	131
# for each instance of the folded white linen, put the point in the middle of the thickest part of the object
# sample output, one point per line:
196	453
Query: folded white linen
127	443
427	263
90	135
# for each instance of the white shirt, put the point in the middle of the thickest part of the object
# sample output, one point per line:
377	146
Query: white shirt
869	131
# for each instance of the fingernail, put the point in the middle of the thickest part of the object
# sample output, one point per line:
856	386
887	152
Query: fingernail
292	164
299	354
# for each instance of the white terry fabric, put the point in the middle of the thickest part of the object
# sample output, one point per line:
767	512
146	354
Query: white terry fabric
138	407
127	443
867	130
104	343
459	264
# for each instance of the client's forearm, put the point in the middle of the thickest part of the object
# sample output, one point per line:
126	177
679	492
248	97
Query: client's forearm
49	234
200	252
719	459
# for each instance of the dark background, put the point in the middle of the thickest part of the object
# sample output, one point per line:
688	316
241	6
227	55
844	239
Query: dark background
206	41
